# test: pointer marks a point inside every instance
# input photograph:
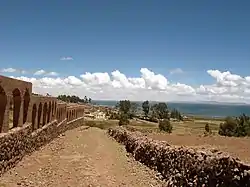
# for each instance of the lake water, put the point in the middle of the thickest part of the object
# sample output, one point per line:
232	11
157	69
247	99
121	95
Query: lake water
199	109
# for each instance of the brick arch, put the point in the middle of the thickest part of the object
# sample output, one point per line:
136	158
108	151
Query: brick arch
34	111
40	108
3	103
49	113
17	105
26	102
45	109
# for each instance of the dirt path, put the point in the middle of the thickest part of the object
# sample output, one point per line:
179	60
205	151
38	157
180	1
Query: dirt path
81	157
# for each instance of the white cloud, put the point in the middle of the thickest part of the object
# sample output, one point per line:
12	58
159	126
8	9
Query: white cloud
149	85
40	72
152	80
98	78
66	58
8	70
52	73
176	71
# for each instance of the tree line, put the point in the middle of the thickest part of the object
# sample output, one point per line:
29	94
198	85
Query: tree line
151	112
74	99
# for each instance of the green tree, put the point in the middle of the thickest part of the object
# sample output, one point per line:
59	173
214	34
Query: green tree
123	119
124	106
85	99
176	114
165	125
160	111
145	107
228	128
133	109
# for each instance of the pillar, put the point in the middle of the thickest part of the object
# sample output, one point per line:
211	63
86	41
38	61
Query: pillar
20	120
6	122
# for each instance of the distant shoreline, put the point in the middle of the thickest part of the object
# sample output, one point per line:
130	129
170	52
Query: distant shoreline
199	110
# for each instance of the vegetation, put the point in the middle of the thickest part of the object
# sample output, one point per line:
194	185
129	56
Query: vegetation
176	115
145	108
238	127
74	99
160	111
207	130
124	119
165	125
124	112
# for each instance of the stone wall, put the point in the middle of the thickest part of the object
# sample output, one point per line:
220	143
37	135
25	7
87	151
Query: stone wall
20	141
182	166
29	121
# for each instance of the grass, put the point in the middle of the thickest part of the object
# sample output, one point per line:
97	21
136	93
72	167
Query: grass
188	133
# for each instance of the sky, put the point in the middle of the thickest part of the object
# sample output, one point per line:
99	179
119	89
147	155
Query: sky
156	50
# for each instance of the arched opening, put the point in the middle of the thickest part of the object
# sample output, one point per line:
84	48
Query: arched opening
3	103
33	116
40	108
16	106
26	102
49	113
44	113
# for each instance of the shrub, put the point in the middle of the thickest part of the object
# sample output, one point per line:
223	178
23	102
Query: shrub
165	125
207	130
239	126
228	128
124	119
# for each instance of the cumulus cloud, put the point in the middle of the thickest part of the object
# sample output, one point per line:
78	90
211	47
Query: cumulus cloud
8	70
52	73
98	79
45	73
66	58
40	72
149	85
176	71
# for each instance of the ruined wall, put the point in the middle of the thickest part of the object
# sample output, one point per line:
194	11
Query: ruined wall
28	121
182	166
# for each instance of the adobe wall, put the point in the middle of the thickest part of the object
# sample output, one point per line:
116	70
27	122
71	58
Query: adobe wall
28	121
182	166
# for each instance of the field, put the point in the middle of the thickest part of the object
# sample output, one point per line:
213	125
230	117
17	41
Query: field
190	133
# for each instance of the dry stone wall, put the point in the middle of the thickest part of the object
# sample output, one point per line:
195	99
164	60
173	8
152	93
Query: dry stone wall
182	166
28	121
21	141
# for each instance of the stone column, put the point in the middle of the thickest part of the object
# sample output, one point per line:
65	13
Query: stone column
36	118
6	121
20	120
29	114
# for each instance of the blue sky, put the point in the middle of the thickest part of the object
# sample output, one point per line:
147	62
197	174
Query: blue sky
103	36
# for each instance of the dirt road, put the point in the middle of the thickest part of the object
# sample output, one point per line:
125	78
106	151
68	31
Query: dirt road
80	157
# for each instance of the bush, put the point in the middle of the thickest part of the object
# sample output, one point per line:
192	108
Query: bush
238	127
228	128
207	130
165	125
124	120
